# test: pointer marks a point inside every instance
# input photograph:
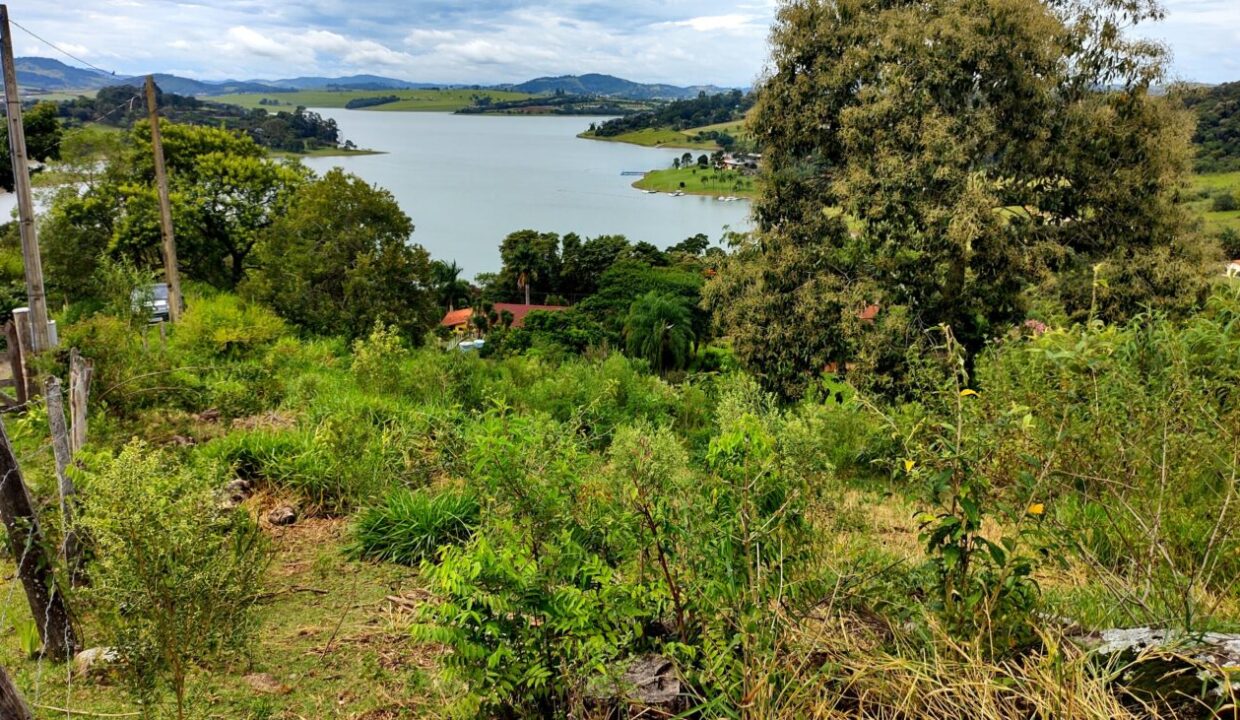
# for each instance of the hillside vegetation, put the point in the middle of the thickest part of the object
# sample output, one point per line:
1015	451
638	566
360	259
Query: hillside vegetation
431	100
952	432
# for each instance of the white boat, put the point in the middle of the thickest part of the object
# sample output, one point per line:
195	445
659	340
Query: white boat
677	194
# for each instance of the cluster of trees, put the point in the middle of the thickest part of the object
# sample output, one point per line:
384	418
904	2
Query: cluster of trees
365	102
329	253
298	130
1218	126
973	182
620	291
682	114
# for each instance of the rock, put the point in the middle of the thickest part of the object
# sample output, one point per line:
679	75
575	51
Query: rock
1166	663
266	684
94	661
648	681
211	415
236	492
283	515
182	441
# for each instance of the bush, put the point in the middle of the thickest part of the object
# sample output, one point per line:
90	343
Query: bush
175	578
223	327
409	527
1224	201
377	359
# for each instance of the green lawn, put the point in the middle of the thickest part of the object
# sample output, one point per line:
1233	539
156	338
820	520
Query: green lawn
411	100
696	181
657	137
1216	222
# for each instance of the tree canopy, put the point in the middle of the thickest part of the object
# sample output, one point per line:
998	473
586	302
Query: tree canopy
956	162
339	260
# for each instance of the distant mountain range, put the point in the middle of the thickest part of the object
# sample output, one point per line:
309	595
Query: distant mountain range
611	86
49	75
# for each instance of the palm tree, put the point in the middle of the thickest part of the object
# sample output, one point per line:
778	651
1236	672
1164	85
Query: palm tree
659	328
449	287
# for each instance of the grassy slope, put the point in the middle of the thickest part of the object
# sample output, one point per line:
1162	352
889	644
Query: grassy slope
411	100
690	181
656	137
328	632
1217	221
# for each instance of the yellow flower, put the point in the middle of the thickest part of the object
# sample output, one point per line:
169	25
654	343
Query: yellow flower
1037	509
967	392
909	465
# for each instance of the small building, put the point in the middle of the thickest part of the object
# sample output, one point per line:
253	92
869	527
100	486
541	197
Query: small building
459	320
1233	269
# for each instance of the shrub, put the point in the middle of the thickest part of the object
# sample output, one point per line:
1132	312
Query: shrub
410	526
175	577
1224	201
221	326
377	359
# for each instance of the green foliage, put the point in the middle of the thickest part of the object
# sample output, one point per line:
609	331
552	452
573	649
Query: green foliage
174	578
410	526
1217	134
659	329
530	258
224	192
1224	201
985	586
378	359
339	261
1135	428
43	134
945	180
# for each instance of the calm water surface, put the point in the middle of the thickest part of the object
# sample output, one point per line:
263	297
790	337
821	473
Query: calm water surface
468	180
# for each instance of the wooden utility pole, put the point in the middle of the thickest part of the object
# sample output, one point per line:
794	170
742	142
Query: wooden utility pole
165	206
34	567
21	187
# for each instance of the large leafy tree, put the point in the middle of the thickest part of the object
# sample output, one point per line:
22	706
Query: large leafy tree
949	159
451	291
43	134
224	192
659	329
339	260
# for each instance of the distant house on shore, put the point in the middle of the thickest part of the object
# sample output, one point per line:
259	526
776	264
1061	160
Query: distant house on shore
741	161
459	320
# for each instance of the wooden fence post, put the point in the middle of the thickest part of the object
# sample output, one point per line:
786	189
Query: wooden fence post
15	363
21	322
80	372
70	548
12	705
34	567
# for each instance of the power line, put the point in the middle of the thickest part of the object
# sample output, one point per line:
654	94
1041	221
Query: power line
59	49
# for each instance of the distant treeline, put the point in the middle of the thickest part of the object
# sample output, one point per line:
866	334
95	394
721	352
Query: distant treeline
1218	126
290	131
364	102
683	114
559	104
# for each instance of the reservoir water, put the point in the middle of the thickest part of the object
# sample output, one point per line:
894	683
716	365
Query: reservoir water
469	180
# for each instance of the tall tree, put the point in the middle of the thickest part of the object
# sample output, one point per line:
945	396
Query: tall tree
530	257
947	159
340	260
450	290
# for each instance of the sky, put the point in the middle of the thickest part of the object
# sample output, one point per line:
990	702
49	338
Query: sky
684	42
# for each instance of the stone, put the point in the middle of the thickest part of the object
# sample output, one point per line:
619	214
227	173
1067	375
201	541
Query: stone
649	681
94	661
236	492
283	515
1167	663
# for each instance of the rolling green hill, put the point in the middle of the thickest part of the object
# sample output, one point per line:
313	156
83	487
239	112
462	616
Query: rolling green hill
410	100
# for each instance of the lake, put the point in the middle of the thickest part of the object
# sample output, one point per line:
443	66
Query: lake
469	180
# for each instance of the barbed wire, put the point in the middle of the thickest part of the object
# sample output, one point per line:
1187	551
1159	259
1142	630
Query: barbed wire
57	48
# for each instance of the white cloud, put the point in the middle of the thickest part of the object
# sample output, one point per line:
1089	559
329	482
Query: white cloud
487	41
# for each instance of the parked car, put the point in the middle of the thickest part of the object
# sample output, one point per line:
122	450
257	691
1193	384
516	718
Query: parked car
155	299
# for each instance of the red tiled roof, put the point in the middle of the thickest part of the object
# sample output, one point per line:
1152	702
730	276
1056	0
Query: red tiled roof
519	311
457	317
868	313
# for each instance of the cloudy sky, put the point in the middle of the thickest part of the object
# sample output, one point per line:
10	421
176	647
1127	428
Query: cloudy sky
486	41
